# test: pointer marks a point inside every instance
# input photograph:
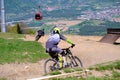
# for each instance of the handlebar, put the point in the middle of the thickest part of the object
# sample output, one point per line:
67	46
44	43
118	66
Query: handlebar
73	45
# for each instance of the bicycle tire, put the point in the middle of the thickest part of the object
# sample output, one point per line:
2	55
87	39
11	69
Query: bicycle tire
76	62
49	64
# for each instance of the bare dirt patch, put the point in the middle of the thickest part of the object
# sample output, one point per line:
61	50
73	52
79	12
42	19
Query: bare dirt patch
65	24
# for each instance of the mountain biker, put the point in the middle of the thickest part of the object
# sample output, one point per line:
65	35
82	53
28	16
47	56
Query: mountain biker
52	48
39	34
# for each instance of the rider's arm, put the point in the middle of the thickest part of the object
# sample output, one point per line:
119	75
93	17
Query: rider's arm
66	39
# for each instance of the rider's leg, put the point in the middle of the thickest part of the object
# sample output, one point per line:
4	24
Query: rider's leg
65	62
61	54
60	60
64	59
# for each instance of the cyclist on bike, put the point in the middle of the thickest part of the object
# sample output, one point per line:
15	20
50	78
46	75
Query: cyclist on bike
52	48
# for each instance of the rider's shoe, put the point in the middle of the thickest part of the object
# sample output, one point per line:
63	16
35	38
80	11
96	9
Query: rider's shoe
66	65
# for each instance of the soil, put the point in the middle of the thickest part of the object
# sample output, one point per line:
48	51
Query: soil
88	49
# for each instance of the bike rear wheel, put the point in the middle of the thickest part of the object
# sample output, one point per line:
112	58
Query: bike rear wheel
76	62
50	65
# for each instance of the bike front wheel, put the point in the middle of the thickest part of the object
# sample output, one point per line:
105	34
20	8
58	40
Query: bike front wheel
50	65
76	62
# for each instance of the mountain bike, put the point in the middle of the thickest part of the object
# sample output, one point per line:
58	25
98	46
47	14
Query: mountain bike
52	64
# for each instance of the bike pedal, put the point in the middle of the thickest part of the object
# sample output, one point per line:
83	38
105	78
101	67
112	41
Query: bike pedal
65	66
52	68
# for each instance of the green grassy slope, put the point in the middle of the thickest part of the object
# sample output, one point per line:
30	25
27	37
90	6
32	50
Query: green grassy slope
17	50
92	27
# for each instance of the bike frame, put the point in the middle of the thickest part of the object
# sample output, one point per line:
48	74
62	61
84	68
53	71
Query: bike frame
70	55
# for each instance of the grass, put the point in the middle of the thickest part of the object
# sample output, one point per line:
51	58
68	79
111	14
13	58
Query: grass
88	78
68	78
68	70
17	50
113	67
65	70
107	66
11	35
3	79
55	72
78	69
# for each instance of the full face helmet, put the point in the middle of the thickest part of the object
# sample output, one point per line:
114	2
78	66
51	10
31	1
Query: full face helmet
56	30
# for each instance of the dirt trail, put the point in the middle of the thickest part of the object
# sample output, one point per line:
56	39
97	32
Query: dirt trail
88	49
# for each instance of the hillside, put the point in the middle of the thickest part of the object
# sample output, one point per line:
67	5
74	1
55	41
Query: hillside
92	27
87	48
61	9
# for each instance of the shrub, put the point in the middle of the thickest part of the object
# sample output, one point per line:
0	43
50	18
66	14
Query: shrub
19	28
14	29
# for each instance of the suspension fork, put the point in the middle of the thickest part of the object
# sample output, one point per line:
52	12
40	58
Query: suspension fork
73	60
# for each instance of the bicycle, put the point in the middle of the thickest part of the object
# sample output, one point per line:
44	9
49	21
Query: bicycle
52	64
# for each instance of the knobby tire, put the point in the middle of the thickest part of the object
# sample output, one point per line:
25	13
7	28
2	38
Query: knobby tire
76	60
48	64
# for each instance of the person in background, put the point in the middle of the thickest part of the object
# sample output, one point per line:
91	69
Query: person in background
52	48
39	34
